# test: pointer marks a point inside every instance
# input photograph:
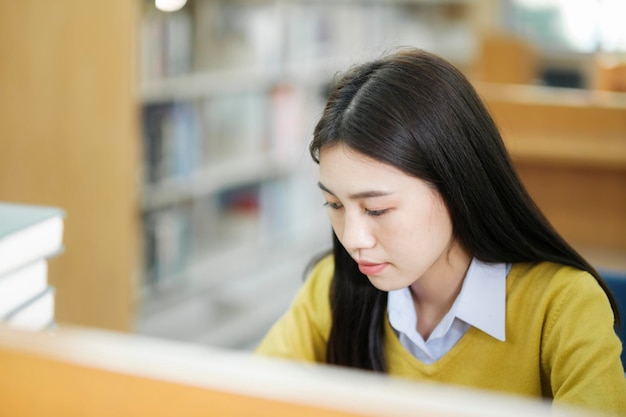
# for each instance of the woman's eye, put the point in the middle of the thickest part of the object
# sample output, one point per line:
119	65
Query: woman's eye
331	205
375	213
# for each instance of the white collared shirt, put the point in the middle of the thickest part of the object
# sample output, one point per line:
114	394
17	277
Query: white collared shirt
481	303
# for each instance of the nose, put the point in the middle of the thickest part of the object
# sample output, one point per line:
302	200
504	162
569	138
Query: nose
356	233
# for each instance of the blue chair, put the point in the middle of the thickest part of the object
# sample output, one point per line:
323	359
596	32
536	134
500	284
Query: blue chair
617	284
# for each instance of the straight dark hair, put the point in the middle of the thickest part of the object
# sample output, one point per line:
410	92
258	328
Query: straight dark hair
415	111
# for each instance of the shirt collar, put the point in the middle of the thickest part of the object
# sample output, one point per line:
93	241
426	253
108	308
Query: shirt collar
481	302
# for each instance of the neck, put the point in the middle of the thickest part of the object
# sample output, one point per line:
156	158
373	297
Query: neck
435	292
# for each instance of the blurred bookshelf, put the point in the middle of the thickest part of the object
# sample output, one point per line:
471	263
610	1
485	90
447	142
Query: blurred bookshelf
231	91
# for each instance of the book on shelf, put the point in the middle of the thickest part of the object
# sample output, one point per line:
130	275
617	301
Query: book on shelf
170	140
238	214
28	233
21	285
237	35
29	236
234	124
168	242
35	314
166	43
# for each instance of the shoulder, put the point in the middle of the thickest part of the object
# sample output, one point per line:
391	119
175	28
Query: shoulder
552	277
555	288
323	268
569	315
545	269
319	279
301	333
314	293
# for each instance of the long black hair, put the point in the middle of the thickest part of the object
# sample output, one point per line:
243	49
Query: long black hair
415	111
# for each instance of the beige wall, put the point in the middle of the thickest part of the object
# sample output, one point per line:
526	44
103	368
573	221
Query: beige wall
68	138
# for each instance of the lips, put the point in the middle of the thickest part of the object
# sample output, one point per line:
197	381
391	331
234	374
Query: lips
370	268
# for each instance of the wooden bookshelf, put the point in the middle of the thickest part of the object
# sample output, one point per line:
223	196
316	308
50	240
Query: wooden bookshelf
234	61
569	147
68	134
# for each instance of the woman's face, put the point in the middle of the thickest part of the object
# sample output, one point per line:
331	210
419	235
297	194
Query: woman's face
395	226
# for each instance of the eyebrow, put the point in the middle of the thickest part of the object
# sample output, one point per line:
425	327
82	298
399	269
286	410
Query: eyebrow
359	195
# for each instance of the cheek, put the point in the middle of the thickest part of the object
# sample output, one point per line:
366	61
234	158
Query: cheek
423	231
440	222
442	219
440	232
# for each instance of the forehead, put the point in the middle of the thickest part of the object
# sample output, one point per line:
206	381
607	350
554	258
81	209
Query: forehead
333	158
343	169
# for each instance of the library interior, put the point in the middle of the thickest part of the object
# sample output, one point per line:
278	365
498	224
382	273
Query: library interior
171	139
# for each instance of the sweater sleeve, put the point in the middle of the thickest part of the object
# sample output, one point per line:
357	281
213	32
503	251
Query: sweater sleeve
302	332
580	349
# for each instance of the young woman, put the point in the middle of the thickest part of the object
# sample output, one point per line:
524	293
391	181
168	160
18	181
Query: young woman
442	267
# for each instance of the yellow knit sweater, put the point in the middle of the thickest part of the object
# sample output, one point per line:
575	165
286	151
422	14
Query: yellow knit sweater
560	341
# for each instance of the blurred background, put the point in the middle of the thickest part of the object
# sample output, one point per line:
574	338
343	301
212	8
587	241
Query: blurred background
174	136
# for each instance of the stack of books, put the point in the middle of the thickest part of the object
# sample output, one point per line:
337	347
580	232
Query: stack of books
29	237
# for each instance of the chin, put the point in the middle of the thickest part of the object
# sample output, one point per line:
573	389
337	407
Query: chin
383	284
